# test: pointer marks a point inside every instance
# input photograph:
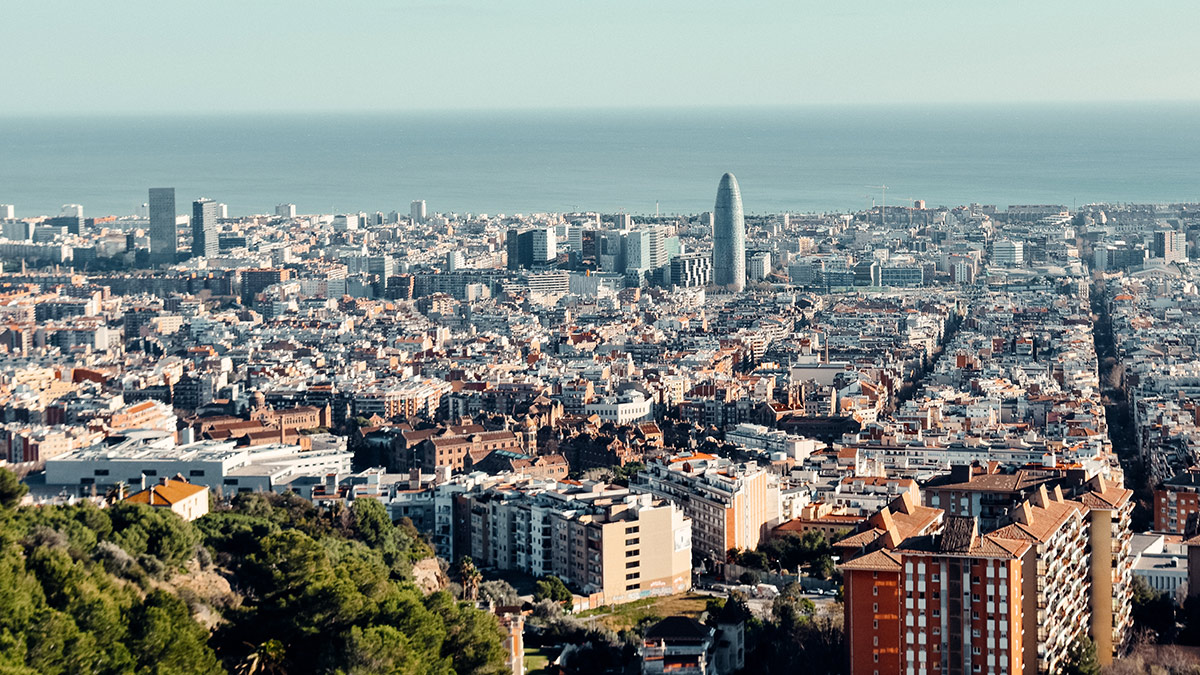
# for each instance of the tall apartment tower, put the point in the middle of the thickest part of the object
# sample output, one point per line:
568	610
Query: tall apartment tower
1170	246
204	228
729	236
417	210
164	238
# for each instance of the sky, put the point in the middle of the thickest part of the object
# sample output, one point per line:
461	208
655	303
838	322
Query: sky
219	56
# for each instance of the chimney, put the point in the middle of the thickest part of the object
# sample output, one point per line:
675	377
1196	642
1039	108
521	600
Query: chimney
1040	498
414	479
1022	514
143	481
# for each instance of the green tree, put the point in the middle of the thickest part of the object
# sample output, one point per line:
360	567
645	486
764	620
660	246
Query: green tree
166	640
499	591
159	533
11	489
385	650
552	588
1153	609
1081	658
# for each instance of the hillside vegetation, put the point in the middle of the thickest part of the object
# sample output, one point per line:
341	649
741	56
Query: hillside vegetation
269	584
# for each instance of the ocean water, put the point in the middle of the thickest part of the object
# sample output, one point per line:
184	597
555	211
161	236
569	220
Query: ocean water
801	160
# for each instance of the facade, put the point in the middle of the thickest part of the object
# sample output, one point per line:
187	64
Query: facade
730	505
692	270
461	451
729	236
758	265
417	211
624	409
255	281
204	228
1170	245
609	544
164	238
531	247
1009	253
221	465
1009	601
187	500
1177	503
679	645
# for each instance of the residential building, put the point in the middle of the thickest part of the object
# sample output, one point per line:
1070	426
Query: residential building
730	505
181	497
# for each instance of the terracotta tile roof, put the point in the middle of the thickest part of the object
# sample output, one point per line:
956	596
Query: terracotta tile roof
173	492
875	561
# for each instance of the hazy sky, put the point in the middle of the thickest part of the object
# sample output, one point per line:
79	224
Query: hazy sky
63	56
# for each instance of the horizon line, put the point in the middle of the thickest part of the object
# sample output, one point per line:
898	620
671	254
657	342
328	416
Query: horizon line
569	108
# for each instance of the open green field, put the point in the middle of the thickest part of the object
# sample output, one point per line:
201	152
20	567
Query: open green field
628	615
537	658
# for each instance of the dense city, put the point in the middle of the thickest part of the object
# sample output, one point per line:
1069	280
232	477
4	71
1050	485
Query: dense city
907	439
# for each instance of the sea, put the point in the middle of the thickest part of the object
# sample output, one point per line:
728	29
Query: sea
647	161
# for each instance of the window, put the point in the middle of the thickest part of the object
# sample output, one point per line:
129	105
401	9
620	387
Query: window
101	472
874	590
633	575
631	564
151	472
196	472
632	552
230	481
633	542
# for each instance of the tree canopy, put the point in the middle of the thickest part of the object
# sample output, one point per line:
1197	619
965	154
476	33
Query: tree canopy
310	590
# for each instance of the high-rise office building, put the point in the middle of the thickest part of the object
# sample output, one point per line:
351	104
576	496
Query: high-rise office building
535	247
204	228
72	210
417	210
1170	246
164	237
637	250
729	236
691	270
285	210
7	212
758	265
1009	253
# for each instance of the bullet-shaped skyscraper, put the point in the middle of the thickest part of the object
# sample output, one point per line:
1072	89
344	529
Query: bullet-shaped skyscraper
729	236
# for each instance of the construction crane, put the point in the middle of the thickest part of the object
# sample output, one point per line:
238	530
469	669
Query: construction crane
882	203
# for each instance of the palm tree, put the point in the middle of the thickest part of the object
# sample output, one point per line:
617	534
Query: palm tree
266	659
470	578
